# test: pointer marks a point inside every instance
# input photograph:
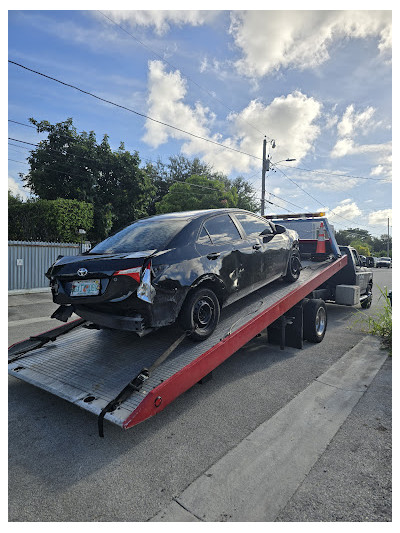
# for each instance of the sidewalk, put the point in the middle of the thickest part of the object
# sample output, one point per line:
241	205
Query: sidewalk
313	459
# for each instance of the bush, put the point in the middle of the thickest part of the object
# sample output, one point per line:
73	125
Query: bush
49	220
380	324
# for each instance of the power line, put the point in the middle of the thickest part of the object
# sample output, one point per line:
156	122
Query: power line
331	173
133	111
272	163
318	201
178	181
174	67
21	123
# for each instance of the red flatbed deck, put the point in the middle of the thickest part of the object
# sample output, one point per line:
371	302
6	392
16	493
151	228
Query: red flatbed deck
90	367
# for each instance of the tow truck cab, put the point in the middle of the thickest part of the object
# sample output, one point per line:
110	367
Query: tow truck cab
350	285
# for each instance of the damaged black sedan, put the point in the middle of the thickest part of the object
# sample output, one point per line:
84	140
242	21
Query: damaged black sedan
178	266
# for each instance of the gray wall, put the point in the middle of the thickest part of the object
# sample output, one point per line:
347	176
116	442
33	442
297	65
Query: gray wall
28	262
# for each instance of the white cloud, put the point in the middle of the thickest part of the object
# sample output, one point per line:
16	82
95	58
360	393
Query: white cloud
270	40
165	103
352	121
346	209
353	124
288	118
379	218
162	20
16	188
380	155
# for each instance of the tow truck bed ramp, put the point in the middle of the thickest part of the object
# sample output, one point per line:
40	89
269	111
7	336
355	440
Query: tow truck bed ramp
90	367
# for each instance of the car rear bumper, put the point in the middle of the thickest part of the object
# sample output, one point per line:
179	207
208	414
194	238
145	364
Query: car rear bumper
135	323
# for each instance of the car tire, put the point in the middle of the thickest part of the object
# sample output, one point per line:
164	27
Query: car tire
294	266
200	313
315	320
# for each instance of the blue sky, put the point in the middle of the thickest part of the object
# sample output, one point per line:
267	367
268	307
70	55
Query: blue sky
318	83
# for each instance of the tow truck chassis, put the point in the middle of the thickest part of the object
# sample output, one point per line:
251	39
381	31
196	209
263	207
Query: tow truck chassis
126	379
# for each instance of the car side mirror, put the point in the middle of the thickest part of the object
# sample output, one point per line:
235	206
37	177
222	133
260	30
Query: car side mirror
279	229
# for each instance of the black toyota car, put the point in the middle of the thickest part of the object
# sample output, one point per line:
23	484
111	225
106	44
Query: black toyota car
178	266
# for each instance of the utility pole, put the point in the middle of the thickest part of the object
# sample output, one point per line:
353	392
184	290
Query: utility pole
264	169
388	240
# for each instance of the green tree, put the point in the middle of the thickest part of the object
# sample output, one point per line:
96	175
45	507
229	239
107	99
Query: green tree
197	192
344	237
362	248
180	168
73	165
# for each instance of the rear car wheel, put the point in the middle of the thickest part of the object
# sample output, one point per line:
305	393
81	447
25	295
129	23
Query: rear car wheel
200	313
294	266
315	320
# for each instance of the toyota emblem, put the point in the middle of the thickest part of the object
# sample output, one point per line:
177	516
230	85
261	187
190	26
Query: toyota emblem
82	272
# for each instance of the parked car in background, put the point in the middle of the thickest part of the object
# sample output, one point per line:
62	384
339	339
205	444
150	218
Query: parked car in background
384	262
363	260
371	261
178	266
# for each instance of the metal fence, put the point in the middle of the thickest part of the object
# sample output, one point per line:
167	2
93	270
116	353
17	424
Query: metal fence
28	262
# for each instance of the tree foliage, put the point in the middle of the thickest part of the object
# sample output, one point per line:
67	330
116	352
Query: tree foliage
361	239
362	248
48	220
180	169
73	165
197	192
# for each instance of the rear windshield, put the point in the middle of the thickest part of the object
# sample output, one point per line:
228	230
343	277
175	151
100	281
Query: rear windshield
142	235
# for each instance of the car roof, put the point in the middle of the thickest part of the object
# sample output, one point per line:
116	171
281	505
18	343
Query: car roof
194	214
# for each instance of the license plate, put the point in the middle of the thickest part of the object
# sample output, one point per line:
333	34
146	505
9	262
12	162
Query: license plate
87	287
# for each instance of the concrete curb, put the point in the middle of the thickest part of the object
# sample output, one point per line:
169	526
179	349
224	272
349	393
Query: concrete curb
257	478
28	291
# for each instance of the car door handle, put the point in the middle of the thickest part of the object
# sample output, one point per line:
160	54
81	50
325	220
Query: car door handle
256	246
213	255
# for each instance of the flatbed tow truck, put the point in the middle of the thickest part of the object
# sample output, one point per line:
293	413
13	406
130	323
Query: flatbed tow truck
126	379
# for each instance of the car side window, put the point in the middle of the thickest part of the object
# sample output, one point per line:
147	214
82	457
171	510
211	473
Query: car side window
222	229
253	225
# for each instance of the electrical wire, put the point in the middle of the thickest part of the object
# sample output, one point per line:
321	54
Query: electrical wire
272	203
319	201
134	111
332	173
185	75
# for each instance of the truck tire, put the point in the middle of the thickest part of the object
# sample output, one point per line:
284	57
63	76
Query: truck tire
200	313
315	320
294	266
366	304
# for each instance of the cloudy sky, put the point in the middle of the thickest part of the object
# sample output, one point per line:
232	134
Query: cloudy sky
213	85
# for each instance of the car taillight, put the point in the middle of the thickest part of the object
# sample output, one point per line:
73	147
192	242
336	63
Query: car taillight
131	272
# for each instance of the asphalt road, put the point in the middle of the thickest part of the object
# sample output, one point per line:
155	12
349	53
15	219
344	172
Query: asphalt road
60	470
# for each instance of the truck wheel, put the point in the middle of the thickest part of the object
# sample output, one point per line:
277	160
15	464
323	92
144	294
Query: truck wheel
366	304
315	319
200	314
294	266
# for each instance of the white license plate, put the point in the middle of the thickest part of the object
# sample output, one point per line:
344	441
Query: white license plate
89	287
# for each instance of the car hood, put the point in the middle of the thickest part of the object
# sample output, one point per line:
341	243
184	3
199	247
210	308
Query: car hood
101	265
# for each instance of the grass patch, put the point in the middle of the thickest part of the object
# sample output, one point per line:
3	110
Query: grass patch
380	324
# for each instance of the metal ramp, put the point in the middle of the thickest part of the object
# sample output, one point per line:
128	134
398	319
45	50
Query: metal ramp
90	367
